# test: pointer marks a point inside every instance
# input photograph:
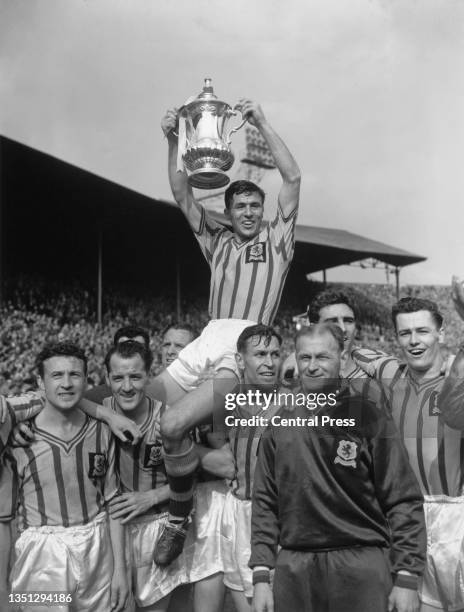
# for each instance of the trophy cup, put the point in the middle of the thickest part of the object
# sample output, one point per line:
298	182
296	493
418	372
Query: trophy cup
204	139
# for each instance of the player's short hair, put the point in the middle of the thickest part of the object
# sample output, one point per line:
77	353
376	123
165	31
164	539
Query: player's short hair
414	304
131	331
239	187
59	349
262	331
182	327
329	297
127	350
320	328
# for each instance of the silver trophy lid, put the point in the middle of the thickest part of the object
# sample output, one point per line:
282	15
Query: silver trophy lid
208	92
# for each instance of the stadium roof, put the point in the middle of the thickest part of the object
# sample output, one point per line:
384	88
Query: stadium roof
334	247
62	213
320	248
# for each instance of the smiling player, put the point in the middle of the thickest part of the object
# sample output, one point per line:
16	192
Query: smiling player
258	359
64	479
434	449
249	266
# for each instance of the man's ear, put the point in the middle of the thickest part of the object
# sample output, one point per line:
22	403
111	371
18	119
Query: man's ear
227	213
441	334
40	383
239	361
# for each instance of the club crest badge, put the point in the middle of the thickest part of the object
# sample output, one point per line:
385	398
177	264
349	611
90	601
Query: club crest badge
97	465
434	410
153	455
346	453
256	252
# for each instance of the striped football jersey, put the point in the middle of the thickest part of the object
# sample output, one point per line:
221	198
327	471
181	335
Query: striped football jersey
244	442
141	466
247	279
65	483
436	452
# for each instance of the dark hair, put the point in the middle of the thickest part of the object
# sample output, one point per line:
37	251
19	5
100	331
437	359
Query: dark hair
328	298
59	349
413	304
131	331
239	187
262	331
181	326
319	328
127	350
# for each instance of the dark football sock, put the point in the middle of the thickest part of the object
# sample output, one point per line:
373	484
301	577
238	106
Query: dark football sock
180	471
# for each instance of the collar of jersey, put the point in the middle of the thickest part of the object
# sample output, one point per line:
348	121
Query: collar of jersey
239	245
146	422
426	382
66	445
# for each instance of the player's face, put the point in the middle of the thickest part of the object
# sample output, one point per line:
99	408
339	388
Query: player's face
246	214
319	361
419	339
173	342
63	381
343	316
128	380
260	362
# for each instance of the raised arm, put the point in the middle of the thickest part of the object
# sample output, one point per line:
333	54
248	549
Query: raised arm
289	194
180	188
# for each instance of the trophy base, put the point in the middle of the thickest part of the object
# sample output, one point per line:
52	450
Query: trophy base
206	178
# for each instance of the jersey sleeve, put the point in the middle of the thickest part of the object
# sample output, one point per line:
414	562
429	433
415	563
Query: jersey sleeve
376	363
282	233
8	488
209	235
8	481
451	398
25	406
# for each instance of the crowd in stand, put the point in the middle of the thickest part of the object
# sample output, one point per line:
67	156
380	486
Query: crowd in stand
36	312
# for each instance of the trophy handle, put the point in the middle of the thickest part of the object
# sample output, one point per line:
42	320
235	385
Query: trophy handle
233	113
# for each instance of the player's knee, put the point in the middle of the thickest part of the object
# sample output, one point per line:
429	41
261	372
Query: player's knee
172	426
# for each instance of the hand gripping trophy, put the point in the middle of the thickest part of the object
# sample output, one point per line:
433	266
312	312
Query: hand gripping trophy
204	139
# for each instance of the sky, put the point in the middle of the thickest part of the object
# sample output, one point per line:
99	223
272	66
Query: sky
367	94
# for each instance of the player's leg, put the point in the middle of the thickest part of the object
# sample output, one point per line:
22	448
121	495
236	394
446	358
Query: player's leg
165	388
180	457
181	599
236	528
208	594
160	606
152	584
241	602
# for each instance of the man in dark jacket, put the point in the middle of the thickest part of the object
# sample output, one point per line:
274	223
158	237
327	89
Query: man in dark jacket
333	487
